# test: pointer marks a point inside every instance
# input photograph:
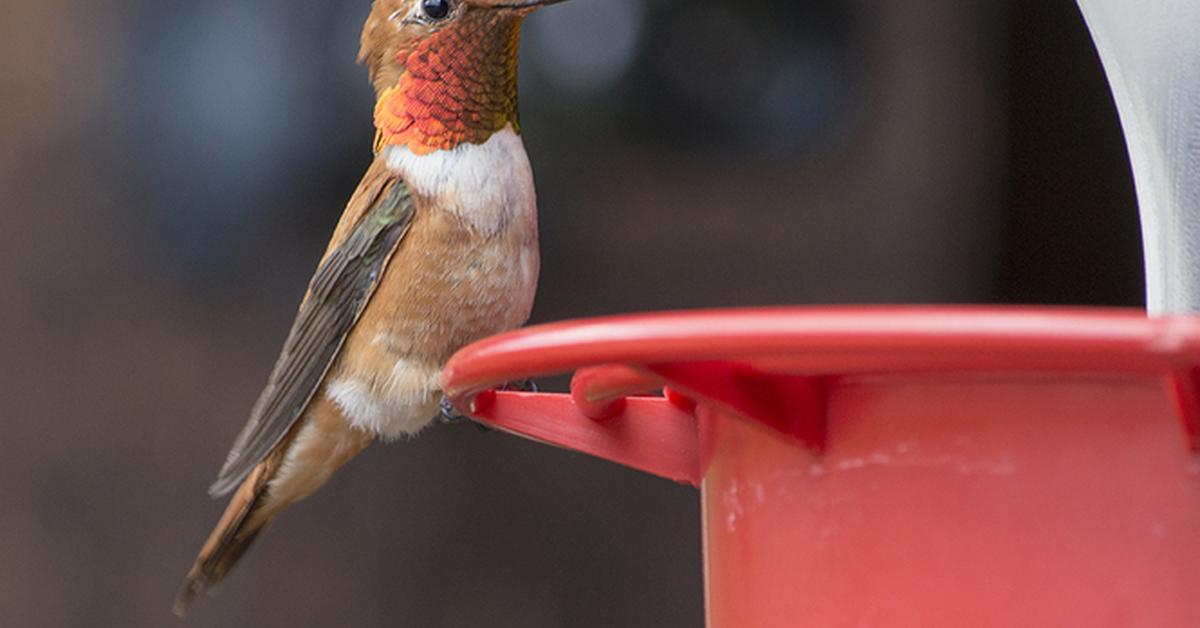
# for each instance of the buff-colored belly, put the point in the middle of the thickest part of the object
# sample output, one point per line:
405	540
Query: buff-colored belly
445	288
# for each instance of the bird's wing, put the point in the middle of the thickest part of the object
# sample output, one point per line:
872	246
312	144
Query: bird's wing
337	294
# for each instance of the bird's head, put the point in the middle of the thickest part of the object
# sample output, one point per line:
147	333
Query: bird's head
445	71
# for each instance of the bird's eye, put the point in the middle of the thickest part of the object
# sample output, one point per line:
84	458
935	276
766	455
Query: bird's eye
435	9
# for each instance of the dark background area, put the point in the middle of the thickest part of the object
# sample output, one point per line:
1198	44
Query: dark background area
169	172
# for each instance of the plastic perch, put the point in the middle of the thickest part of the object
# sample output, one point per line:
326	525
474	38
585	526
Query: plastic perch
1151	53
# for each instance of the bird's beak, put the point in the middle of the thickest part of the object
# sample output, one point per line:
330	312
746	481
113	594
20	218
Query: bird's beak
516	5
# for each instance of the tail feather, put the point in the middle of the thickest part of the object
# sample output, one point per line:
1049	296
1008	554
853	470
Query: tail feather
299	465
233	535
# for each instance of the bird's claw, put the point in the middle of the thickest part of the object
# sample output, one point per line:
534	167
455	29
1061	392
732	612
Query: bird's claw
521	385
447	413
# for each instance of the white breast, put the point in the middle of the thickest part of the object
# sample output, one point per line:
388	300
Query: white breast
489	185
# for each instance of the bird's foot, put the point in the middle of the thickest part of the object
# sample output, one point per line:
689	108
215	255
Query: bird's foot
447	413
521	385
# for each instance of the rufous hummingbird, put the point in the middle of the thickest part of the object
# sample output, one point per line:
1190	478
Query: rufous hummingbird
437	247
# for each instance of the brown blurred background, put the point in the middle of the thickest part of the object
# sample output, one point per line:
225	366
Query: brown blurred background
169	172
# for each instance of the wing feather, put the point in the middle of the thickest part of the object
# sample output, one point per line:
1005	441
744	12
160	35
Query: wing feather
337	294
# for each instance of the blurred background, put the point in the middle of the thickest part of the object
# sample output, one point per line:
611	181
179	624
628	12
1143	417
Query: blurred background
170	171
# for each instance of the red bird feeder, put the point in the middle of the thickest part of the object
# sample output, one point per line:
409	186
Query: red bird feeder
893	466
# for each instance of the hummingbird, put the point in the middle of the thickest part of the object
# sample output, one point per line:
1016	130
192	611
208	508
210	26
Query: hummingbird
437	248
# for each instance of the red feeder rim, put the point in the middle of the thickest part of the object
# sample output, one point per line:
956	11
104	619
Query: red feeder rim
772	365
